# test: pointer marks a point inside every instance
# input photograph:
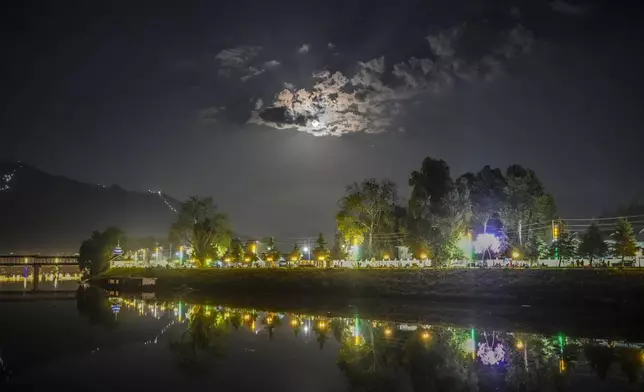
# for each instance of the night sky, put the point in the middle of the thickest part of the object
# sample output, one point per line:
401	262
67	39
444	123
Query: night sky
188	97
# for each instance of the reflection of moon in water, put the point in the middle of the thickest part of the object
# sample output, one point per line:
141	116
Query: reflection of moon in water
315	123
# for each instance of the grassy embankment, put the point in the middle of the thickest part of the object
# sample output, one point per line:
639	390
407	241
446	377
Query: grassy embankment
491	286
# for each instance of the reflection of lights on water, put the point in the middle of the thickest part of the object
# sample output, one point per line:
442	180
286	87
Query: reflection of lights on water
489	355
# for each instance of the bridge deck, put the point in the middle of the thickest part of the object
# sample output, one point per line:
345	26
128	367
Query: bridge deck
16	260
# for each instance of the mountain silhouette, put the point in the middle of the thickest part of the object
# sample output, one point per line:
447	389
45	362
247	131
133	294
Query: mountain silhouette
44	213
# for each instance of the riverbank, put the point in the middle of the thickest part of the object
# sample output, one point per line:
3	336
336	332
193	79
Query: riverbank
578	287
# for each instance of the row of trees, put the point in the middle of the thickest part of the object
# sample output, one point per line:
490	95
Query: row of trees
441	211
591	244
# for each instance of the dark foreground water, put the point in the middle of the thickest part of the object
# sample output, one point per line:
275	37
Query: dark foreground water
102	343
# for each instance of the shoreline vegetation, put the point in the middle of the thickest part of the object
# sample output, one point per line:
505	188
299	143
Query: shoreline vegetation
617	288
487	215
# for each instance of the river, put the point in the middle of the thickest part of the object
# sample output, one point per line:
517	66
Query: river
106	343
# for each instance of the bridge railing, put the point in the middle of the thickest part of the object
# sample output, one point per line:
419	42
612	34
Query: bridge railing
37	259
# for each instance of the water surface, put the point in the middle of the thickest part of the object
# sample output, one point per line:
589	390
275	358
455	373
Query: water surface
103	343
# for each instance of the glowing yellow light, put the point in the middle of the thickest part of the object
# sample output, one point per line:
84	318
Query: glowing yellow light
387	331
425	335
423	255
252	326
247	259
207	313
269	320
321	258
294	322
247	317
269	258
226	315
253	248
26	260
321	325
520	345
227	259
515	255
293	258
562	365
386	256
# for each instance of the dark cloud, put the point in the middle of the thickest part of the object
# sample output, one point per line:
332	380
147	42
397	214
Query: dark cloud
569	9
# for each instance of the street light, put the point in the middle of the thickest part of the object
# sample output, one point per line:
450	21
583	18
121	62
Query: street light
306	250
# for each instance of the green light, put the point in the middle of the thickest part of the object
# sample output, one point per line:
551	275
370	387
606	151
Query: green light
562	342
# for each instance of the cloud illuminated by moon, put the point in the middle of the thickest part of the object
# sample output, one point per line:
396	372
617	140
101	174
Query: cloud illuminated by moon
370	99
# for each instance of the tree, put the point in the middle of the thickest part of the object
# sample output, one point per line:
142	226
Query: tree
429	190
566	245
272	254
451	225
235	252
592	244
366	210
439	212
295	255
625	243
96	252
320	253
339	250
487	194
202	228
526	206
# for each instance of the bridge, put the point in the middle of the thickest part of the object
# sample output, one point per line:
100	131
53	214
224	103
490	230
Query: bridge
36	261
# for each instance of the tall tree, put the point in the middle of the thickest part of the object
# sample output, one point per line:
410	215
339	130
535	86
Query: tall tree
527	205
439	211
487	194
366	210
592	244
450	225
96	252
429	189
625	243
202	228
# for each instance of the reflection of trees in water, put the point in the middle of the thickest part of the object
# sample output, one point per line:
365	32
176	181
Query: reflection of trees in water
270	322
381	356
440	364
600	358
95	305
203	342
539	363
